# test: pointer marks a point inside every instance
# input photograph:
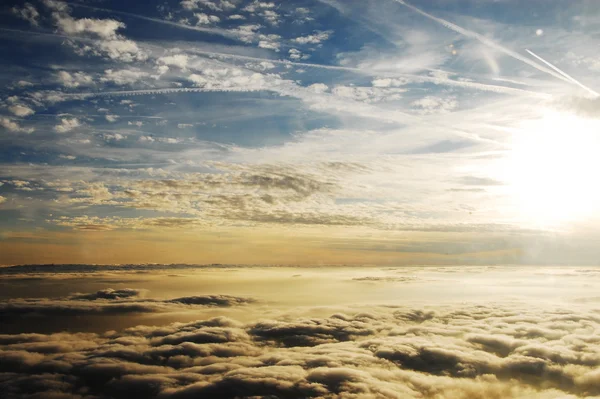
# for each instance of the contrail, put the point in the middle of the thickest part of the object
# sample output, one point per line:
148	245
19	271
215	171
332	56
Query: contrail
569	77
484	40
214	31
281	62
157	91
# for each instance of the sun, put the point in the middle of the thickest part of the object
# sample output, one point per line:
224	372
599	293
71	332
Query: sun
553	169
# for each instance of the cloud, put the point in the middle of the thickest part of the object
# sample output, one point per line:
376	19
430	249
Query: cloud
379	352
13	126
102	28
66	125
432	104
104	39
109	293
2	199
315	38
178	60
206	19
75	79
277	194
21	110
212	300
123	76
28	12
110	302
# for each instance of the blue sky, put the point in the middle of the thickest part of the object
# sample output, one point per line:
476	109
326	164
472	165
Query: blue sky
321	131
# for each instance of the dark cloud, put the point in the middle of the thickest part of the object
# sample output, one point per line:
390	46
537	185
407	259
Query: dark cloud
212	300
110	301
109	293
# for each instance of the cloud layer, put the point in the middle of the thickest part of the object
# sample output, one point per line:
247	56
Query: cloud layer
505	351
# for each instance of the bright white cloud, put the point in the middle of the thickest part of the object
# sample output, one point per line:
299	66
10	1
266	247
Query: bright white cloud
177	60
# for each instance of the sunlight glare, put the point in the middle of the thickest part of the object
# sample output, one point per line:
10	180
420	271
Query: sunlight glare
553	169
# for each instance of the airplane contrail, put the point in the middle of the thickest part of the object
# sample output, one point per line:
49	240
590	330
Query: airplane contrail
155	91
569	77
484	40
281	62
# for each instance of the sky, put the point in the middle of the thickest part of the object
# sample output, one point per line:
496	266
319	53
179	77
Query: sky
300	132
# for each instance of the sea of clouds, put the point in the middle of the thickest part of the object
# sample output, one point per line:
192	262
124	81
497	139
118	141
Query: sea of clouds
504	347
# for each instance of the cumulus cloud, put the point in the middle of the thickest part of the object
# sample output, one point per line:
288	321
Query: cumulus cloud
67	124
123	76
21	110
177	60
314	38
378	352
74	79
13	126
105	39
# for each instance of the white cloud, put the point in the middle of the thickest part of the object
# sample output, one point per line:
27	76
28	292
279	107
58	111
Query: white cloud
257	6
20	110
112	118
120	50
113	137
205	19
170	140
24	83
177	60
100	28
315	38
296	55
146	139
13	126
123	76
433	104
318	88
270	16
268	45
66	125
136	123
74	79
184	125
108	42
208	4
